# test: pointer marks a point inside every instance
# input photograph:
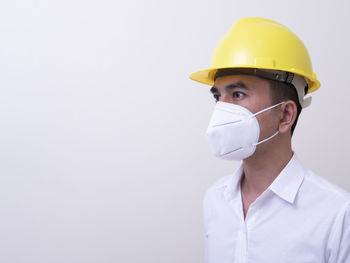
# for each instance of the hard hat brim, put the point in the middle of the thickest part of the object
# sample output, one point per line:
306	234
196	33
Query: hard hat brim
206	76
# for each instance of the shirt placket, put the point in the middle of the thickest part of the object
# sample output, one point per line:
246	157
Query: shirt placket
241	247
242	239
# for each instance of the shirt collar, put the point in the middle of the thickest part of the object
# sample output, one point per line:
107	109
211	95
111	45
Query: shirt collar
285	185
288	182
231	184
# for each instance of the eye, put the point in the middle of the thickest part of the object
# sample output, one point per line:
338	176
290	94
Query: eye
238	95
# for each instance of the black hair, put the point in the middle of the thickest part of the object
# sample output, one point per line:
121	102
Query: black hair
280	91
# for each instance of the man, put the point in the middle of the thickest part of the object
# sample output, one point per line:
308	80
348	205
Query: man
271	209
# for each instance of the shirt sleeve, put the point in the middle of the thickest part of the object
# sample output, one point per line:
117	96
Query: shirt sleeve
206	215
339	245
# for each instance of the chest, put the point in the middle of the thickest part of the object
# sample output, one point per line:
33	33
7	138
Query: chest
269	234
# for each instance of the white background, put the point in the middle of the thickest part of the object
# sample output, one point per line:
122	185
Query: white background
103	149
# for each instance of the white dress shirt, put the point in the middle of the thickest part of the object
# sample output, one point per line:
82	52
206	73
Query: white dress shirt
299	218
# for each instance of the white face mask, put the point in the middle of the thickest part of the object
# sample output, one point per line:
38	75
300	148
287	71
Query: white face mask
233	131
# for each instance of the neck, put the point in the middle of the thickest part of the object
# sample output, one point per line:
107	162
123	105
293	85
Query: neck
261	169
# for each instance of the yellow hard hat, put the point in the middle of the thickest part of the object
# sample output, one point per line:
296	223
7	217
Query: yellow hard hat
260	43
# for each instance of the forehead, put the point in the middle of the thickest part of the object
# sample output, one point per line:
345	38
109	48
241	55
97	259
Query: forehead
252	83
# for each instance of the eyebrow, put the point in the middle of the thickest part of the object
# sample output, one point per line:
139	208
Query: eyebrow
230	87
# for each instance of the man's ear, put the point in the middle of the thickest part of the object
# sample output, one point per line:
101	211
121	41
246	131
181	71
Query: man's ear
288	116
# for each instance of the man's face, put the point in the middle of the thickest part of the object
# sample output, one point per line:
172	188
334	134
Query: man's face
252	93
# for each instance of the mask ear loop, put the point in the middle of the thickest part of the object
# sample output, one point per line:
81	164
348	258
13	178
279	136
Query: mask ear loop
268	138
269	108
273	135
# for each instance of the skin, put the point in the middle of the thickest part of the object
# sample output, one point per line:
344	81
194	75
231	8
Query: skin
270	157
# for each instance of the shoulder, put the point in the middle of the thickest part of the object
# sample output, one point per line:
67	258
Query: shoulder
320	197
322	187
